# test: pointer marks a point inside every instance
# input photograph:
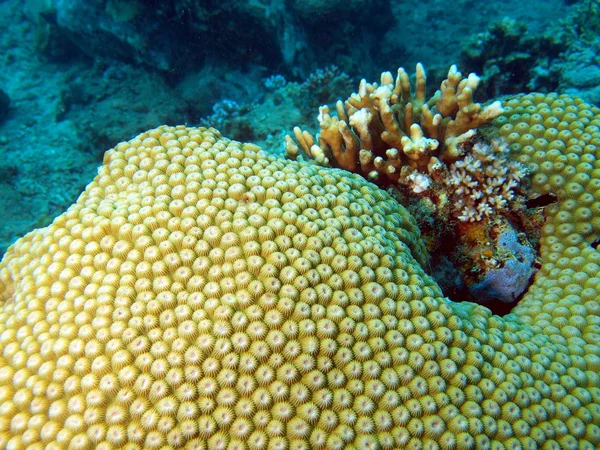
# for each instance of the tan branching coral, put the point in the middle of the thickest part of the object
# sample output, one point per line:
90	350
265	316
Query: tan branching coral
385	127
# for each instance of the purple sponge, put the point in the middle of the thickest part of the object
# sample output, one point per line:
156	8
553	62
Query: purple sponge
508	282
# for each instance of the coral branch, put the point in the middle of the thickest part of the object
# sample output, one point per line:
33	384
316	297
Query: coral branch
390	116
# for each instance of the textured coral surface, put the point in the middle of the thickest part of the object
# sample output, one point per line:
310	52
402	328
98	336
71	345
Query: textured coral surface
201	294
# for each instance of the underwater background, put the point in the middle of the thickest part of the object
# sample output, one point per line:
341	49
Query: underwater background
79	76
299	225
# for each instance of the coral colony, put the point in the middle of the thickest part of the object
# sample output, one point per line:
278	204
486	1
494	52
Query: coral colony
202	294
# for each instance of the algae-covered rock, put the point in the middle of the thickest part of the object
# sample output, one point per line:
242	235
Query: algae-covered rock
4	105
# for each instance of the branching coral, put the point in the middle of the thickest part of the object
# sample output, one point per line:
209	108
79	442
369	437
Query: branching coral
385	127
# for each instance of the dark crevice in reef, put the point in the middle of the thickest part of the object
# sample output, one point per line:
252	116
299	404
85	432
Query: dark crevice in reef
491	261
541	201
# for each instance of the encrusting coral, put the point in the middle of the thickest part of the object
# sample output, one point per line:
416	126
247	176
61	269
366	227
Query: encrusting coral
203	295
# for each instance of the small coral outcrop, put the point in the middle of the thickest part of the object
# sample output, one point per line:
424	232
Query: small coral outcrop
485	181
386	128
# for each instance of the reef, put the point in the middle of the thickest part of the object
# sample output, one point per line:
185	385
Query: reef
511	59
4	105
174	36
83	75
202	294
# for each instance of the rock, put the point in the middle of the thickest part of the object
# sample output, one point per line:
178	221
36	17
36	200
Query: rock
4	105
178	35
119	29
582	77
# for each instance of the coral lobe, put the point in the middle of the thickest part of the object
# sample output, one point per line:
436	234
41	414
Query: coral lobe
201	294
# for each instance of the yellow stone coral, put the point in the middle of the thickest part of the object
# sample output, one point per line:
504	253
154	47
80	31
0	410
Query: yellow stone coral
203	295
558	137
